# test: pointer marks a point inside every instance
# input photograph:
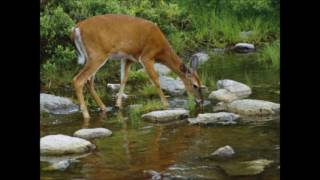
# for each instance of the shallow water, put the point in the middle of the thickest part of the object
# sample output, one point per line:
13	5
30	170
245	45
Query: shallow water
179	148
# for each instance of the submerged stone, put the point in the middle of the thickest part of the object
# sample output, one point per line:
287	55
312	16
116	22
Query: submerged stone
246	168
62	144
60	166
166	115
92	133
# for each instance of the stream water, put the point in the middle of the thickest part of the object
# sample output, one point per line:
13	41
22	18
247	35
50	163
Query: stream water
179	149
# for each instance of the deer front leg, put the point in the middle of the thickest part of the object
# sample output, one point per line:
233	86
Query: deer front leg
125	66
148	66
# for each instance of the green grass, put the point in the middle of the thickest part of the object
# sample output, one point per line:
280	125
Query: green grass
148	91
271	54
147	106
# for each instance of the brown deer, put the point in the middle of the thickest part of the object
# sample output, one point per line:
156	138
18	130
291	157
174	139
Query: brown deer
131	40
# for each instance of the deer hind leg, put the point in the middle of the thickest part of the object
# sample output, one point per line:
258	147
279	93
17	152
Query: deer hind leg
82	77
90	85
125	66
148	66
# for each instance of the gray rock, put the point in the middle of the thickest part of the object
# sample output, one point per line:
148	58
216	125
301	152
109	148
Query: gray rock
225	151
253	107
222	95
56	105
239	89
113	87
223	118
92	133
172	86
243	47
166	115
246	168
161	69
62	144
202	57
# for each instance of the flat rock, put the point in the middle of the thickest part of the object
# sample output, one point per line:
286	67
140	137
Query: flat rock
172	86
243	47
223	118
222	95
239	89
166	115
161	69
57	105
253	107
246	168
225	151
92	133
62	144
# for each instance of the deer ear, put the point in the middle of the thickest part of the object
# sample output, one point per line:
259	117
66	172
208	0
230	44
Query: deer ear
194	63
185	70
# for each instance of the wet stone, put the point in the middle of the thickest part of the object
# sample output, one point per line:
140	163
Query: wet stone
223	118
57	105
92	133
166	115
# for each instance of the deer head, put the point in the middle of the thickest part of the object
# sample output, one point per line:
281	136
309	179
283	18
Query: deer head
191	79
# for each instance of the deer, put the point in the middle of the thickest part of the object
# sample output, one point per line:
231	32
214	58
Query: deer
130	40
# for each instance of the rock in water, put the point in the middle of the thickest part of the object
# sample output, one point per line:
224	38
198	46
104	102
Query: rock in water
223	95
113	87
201	56
172	86
246	168
243	47
92	133
223	118
253	107
225	151
239	89
56	105
62	144
161	69
166	115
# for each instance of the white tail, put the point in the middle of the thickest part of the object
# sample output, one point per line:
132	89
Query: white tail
82	56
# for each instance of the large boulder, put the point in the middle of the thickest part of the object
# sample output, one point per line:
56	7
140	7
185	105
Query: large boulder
246	168
253	107
161	69
243	47
92	133
62	144
166	115
171	85
239	89
223	118
222	95
57	105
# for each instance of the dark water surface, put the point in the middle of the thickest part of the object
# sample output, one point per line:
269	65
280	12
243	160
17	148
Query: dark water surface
179	149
